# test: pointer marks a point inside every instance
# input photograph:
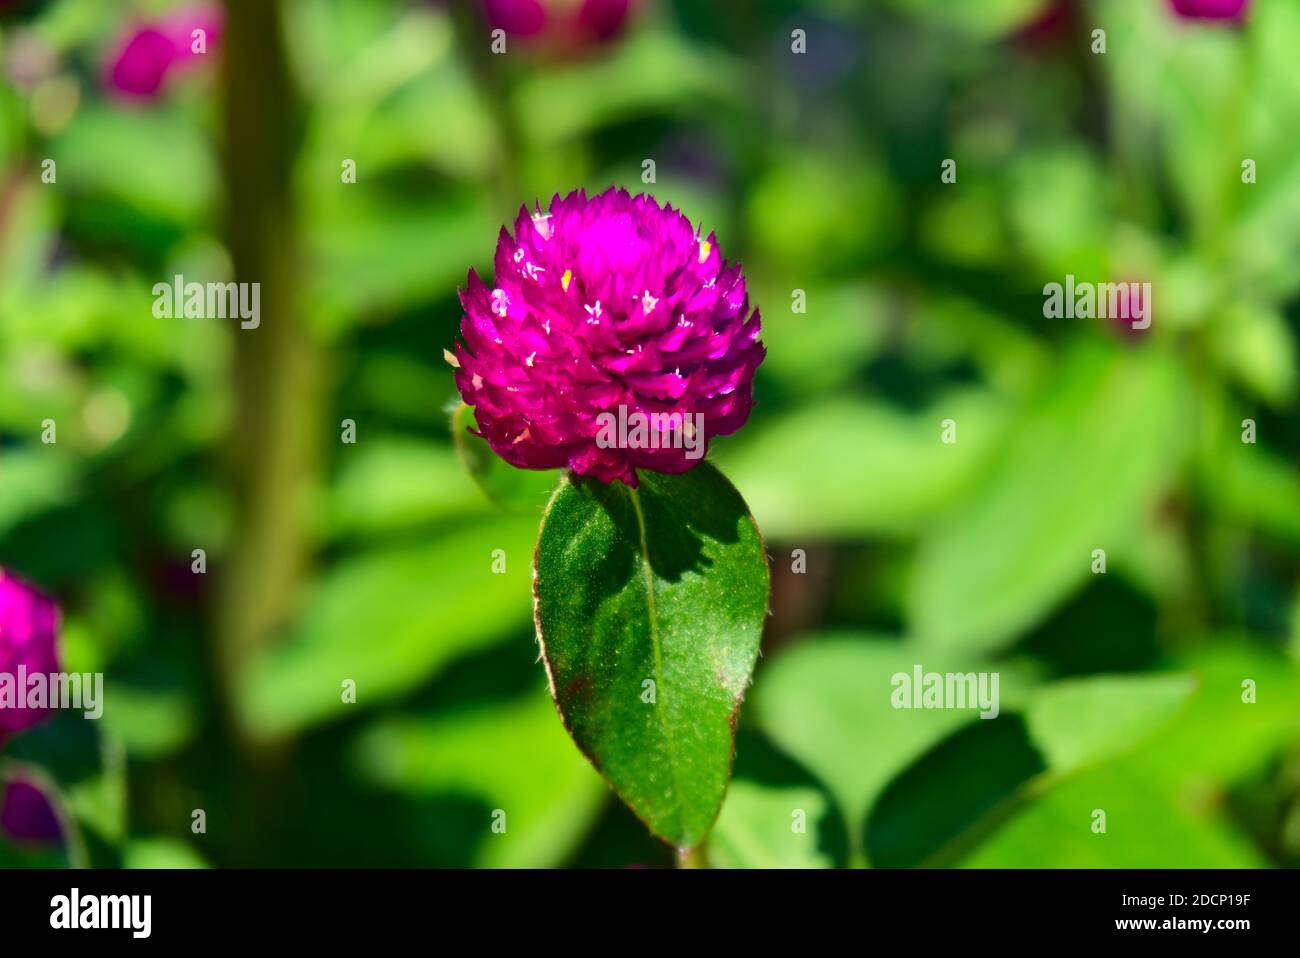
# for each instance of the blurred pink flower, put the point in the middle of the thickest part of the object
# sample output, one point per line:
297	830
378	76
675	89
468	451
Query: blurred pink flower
564	23
152	51
1134	320
29	623
1210	9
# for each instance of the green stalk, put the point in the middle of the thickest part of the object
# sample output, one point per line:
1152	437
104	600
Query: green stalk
276	368
694	858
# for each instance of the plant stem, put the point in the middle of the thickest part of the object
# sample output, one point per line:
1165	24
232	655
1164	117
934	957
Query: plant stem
276	366
693	858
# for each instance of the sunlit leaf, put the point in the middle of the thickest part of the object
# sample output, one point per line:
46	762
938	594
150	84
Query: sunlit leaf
765	827
388	620
650	605
846	467
1078	474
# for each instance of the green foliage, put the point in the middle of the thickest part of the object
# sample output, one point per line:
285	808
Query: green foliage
506	487
1081	467
512	756
650	605
358	625
82	774
768	828
388	694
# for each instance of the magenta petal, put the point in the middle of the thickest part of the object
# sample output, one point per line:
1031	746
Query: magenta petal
523	18
1210	9
143	63
29	623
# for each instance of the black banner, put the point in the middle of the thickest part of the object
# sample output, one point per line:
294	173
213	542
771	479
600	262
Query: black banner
333	907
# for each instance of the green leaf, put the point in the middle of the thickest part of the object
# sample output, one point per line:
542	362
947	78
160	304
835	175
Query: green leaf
1248	484
910	474
652	71
827	702
1164	802
394	483
161	852
985	19
33	480
1079	473
1065	728
1149	824
1254	343
649	606
765	827
107	153
151	722
518	490
512	756
1074	723
1252	731
379	256
821	210
389	620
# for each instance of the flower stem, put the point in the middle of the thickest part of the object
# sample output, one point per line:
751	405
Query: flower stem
692	858
276	368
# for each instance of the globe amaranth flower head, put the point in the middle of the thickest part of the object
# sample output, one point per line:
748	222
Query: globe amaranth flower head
607	306
29	624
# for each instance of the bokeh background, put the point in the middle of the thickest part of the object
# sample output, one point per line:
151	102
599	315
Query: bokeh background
371	561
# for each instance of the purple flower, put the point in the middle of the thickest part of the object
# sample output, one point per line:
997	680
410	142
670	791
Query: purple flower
607	305
520	18
141	66
604	18
566	24
155	50
1210	9
29	623
26	815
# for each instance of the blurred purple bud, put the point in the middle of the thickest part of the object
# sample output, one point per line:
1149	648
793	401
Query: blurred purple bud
1210	9
26	815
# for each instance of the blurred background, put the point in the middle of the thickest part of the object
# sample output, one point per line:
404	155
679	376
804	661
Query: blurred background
1164	692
